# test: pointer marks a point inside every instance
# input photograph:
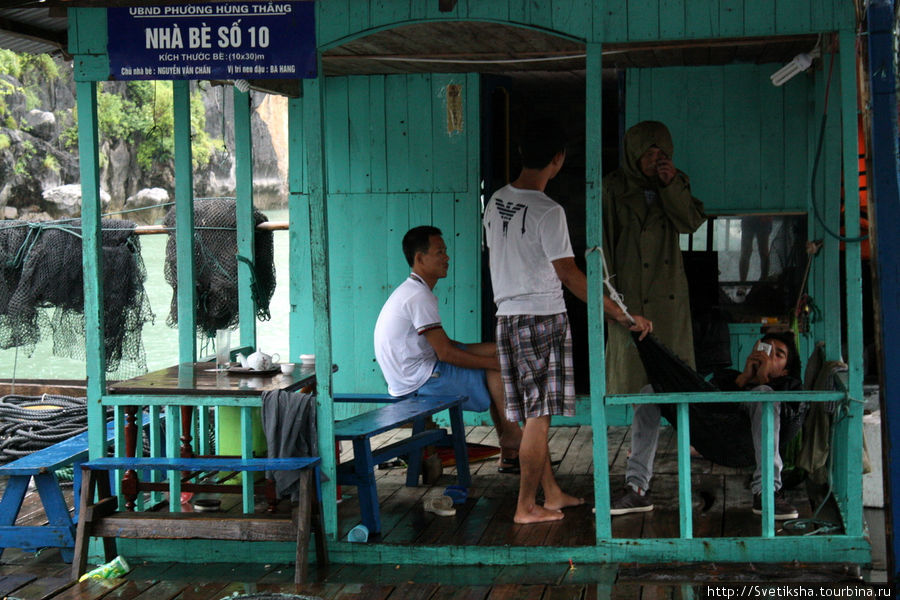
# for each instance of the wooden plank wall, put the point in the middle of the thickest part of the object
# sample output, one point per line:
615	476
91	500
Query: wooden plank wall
743	141
750	146
609	21
643	20
393	164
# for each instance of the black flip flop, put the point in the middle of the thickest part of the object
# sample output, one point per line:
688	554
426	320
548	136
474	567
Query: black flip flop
511	465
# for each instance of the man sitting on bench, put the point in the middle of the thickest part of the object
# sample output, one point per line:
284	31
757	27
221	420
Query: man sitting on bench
418	358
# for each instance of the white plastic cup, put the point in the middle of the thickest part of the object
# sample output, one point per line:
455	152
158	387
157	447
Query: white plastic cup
223	349
360	534
308	359
287	368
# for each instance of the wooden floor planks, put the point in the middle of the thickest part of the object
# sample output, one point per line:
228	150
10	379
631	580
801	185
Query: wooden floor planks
721	507
412	582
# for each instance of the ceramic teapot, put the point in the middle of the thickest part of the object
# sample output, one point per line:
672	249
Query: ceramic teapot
258	361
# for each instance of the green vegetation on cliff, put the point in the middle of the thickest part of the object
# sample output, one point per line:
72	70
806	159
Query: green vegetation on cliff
142	115
32	71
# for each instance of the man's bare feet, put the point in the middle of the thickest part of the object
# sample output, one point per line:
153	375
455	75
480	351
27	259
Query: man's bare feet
562	501
537	514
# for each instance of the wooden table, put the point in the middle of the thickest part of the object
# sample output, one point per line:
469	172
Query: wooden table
182	389
203	379
192	385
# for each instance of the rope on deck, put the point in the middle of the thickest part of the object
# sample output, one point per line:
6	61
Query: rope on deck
29	423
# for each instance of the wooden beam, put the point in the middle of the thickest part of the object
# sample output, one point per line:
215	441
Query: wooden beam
213	526
289	88
113	3
158	229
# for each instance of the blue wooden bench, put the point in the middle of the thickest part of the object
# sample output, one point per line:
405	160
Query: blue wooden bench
361	428
101	517
41	465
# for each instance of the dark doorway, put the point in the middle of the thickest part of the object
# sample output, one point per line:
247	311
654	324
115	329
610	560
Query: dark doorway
507	104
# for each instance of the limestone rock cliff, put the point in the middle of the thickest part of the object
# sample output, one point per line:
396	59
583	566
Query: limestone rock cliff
38	149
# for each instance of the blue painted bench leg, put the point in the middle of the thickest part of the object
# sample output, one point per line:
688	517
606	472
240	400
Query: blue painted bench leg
364	465
458	432
56	509
414	460
76	487
16	488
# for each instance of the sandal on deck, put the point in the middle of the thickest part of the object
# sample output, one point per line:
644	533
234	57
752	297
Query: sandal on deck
442	506
511	465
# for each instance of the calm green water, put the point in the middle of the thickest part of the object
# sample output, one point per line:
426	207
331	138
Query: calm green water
160	341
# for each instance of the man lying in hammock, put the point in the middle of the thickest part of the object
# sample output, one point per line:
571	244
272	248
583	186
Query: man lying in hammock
774	365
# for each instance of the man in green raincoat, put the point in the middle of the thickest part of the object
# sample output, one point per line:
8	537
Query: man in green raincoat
647	203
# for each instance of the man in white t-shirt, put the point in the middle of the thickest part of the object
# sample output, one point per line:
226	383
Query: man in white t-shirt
530	259
417	357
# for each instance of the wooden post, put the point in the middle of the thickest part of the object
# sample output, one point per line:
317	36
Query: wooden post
852	468
243	174
685	504
885	206
184	243
301	329
243	159
92	263
313	128
184	222
593	204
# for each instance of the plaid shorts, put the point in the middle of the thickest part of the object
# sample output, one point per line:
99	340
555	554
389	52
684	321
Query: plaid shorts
536	365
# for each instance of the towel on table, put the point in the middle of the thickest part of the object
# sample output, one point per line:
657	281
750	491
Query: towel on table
289	423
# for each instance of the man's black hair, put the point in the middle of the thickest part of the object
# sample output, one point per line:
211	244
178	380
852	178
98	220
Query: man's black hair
418	239
542	139
793	358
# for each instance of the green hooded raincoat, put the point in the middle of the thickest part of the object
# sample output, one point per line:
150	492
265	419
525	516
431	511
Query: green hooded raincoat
641	223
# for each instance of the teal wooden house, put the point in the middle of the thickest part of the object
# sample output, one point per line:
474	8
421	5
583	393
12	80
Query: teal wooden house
412	119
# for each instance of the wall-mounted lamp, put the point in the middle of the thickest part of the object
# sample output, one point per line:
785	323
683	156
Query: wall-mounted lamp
800	63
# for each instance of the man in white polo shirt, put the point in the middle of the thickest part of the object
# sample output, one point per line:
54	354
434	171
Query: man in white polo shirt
417	357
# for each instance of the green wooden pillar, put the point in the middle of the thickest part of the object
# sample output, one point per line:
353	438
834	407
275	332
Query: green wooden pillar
593	202
184	222
685	505
851	457
243	167
827	198
184	246
767	470
243	175
313	131
92	263
301	330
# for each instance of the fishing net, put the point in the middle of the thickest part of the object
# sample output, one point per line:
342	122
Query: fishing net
42	288
215	265
720	431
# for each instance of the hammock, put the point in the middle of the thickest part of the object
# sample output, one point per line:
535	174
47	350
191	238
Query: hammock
720	431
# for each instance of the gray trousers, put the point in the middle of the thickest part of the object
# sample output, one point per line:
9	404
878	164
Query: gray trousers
645	439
